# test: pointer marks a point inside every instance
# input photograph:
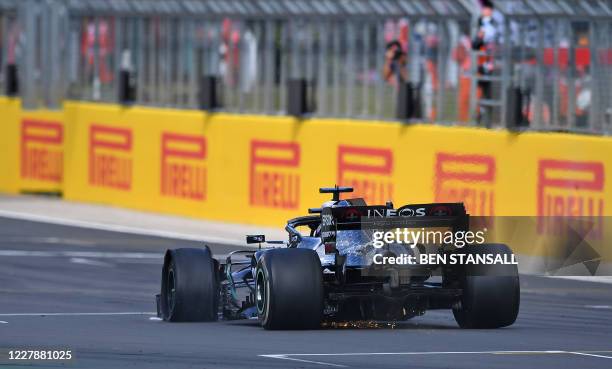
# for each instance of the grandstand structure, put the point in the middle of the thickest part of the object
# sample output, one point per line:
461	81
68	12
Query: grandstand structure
552	58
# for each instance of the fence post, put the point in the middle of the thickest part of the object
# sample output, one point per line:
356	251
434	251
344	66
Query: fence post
351	40
506	84
595	75
28	12
571	80
442	58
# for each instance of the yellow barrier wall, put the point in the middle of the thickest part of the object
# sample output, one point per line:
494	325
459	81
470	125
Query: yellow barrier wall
32	148
9	146
262	170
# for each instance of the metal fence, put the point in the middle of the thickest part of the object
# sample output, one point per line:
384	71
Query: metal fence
553	67
552	57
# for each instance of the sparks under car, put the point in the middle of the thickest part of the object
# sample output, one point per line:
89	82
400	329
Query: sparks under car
325	273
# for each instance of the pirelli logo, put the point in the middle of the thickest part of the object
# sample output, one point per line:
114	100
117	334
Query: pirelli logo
368	170
42	150
466	178
569	188
274	178
183	168
110	157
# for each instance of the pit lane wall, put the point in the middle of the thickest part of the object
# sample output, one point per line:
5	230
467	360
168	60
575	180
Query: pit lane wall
264	169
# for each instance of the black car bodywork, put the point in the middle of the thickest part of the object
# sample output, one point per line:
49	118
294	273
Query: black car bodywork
324	272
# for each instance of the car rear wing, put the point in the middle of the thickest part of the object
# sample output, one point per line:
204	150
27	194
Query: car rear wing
447	215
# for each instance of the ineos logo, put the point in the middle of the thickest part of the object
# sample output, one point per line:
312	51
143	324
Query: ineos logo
409	212
405	212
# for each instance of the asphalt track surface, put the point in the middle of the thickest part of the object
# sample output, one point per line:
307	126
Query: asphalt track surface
91	292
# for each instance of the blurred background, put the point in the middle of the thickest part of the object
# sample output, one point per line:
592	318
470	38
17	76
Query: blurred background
105	104
537	64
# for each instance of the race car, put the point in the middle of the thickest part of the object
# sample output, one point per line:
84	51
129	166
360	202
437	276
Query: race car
326	272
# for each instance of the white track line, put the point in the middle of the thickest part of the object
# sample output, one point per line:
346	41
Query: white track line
3	322
547	352
586	354
117	228
602	307
81	314
90	254
587	278
285	357
50	240
426	353
83	254
91	262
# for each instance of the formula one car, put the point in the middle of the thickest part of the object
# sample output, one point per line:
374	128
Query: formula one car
326	273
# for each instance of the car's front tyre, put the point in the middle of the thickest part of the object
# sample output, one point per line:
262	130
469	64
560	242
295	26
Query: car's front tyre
189	287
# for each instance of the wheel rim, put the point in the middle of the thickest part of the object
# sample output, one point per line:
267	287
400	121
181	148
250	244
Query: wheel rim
171	291
260	292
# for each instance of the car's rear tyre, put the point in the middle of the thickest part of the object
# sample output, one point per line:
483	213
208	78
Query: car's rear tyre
190	287
289	289
491	293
